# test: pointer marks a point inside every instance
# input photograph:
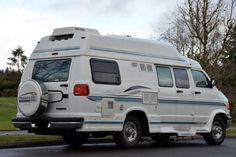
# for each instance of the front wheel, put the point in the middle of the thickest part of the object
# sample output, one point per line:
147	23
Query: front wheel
130	134
217	134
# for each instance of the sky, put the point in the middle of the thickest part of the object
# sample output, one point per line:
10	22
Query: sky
25	22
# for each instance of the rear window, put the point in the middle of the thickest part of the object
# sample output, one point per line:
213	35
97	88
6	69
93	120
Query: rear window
52	70
105	71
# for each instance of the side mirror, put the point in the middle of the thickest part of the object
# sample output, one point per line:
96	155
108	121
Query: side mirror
212	82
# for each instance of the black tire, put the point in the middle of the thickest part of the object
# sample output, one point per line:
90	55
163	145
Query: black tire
75	139
217	134
163	139
130	134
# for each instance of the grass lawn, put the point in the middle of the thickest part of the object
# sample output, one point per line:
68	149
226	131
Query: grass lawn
234	124
231	132
15	138
7	112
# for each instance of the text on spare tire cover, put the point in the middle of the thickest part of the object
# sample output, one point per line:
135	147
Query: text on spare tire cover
28	97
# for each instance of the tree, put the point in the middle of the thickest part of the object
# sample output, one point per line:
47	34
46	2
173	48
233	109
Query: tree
228	68
228	77
9	81
18	58
230	47
201	29
177	35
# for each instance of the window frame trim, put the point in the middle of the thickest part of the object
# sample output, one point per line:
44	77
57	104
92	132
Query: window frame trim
108	61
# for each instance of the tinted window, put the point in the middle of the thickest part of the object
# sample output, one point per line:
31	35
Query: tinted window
51	70
181	78
105	72
142	67
164	77
149	68
200	79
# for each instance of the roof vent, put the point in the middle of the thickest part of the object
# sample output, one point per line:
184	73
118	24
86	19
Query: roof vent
72	30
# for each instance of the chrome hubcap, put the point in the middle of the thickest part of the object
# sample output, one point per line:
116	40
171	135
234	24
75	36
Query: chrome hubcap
217	131
130	131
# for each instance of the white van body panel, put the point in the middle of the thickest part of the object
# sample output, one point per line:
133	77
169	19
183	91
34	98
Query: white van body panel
106	106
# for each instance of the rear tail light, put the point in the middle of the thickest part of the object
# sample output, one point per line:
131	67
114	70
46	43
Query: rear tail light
227	105
81	90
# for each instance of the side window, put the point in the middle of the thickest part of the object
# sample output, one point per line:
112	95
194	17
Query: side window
200	79
181	78
164	77
105	71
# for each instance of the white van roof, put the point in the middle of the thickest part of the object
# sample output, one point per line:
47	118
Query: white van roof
81	41
134	46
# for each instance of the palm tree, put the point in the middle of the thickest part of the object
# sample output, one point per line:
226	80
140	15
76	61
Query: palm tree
18	58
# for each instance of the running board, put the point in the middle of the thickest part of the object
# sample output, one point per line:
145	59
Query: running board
186	133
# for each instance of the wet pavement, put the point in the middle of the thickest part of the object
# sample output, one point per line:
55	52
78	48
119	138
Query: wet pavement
193	148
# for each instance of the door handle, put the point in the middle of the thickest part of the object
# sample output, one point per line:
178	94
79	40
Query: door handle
64	85
179	91
197	92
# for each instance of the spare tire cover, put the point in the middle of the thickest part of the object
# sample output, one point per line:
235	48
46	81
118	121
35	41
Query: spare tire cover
32	98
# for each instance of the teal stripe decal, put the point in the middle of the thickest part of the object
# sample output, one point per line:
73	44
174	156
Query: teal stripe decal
103	122
57	49
190	102
152	123
99	98
177	122
161	101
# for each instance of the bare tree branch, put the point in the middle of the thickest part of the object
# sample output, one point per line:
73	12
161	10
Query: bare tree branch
201	30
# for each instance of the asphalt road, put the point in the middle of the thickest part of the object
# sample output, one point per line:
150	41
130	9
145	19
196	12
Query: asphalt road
194	148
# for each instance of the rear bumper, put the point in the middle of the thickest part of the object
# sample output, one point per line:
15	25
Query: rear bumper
47	123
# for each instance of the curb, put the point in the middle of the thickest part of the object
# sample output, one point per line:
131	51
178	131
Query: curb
231	136
18	144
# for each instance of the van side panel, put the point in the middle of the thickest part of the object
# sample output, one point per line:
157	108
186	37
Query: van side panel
126	97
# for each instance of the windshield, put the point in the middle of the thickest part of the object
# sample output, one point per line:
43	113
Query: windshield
52	70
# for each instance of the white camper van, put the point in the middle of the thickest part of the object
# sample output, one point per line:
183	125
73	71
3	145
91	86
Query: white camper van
79	84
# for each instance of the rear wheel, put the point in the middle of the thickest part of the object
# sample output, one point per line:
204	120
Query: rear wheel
131	133
217	134
75	139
